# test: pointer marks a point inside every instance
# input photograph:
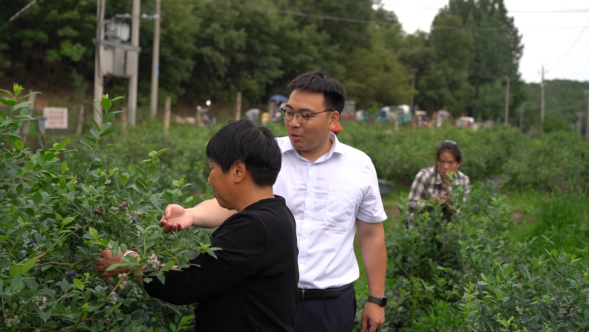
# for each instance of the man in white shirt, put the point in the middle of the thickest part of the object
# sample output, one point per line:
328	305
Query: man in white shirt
332	191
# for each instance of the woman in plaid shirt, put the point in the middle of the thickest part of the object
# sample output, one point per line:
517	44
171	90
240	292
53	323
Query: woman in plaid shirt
435	183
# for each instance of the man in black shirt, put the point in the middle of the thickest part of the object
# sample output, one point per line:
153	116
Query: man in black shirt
252	284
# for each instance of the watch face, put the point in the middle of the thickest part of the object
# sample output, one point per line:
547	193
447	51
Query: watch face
383	302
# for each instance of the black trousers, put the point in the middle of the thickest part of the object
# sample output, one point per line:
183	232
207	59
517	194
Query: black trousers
327	315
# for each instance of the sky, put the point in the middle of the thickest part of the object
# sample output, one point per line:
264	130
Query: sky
554	33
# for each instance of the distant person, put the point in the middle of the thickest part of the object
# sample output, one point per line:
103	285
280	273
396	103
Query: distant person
434	183
252	284
253	114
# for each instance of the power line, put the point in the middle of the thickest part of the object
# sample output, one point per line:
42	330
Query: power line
356	20
571	47
572	11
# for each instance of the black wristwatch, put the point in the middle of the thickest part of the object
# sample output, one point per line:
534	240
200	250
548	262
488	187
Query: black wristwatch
381	301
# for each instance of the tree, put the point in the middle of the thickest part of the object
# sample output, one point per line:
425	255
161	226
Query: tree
497	46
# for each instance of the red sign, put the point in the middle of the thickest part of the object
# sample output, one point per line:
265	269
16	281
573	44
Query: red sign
57	117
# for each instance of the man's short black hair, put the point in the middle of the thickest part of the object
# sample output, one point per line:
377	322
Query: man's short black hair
252	144
317	81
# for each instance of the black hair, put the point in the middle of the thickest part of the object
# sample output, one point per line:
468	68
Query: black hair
451	147
252	144
317	81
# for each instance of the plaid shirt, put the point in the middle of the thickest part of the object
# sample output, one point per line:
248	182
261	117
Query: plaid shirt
428	184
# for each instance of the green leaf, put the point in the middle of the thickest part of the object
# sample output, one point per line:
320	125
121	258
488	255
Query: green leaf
116	98
79	283
64	167
86	144
37	198
106	103
15	270
93	233
19	144
499	294
8	102
17	283
60	146
123	178
67	221
29	264
64	285
155	154
49	156
45	315
94	133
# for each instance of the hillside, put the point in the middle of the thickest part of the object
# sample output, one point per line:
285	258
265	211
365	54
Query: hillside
563	99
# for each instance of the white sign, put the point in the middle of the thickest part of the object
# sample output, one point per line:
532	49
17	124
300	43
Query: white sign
57	117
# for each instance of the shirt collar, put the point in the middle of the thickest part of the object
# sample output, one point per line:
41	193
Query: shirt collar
335	148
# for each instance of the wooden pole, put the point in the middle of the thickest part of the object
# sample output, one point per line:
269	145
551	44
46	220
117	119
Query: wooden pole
155	63
542	97
80	120
123	118
507	101
98	56
238	105
167	115
25	127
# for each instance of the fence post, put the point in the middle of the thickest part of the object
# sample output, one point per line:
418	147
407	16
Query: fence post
167	115
25	127
80	124
238	105
123	118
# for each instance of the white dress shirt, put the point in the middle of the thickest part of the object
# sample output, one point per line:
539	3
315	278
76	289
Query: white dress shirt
326	197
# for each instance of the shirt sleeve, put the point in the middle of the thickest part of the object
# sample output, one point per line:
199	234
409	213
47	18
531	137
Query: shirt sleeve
243	242
371	209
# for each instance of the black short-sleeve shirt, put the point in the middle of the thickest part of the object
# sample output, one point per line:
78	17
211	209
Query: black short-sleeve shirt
252	284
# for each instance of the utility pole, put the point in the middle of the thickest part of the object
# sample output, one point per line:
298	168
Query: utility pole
98	82
507	102
156	62
413	70
521	111
132	103
542	97
587	115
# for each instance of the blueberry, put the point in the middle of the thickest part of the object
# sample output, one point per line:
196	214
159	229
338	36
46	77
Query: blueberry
70	273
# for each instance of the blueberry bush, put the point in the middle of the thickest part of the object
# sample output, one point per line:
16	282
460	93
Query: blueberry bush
54	221
466	273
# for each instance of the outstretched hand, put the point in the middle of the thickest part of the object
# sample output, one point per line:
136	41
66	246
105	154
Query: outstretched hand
106	259
175	219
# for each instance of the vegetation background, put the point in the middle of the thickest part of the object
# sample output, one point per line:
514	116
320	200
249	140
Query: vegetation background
516	259
210	49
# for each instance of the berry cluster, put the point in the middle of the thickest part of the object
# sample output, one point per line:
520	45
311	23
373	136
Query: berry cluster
122	206
153	262
40	301
11	321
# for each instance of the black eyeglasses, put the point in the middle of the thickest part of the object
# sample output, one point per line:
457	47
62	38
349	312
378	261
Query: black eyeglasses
301	117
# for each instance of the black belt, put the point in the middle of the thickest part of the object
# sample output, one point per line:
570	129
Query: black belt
316	294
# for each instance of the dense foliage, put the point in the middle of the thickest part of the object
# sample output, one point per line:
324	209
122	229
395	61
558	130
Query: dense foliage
467	273
54	222
211	49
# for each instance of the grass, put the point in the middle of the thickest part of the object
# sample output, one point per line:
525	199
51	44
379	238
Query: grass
559	221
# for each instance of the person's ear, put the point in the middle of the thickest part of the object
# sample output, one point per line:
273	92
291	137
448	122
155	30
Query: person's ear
238	171
334	117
